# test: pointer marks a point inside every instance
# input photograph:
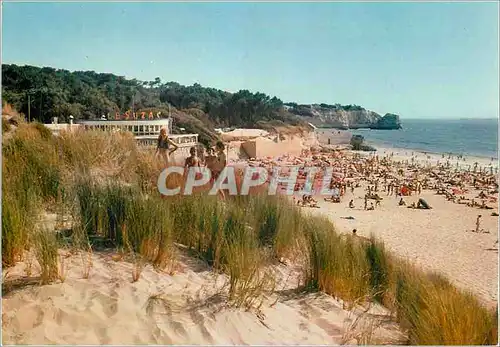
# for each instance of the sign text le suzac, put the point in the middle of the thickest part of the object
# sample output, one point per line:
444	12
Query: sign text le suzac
137	115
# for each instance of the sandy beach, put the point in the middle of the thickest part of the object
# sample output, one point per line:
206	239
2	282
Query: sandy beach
186	305
439	239
436	240
425	158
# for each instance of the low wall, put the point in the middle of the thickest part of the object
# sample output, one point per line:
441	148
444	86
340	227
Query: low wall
57	128
263	147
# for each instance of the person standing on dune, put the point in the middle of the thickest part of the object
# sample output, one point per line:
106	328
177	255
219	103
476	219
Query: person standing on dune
192	160
220	160
163	146
218	164
210	159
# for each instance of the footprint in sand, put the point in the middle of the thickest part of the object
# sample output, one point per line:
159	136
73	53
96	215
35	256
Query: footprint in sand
102	335
113	305
160	337
39	317
303	326
109	303
331	329
60	317
179	328
199	320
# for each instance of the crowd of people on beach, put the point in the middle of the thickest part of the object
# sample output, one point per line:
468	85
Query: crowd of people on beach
384	176
379	176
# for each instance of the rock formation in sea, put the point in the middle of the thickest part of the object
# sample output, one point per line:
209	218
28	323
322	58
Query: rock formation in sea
388	121
343	117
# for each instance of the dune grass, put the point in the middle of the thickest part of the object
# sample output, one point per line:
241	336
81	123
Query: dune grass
84	150
30	176
337	264
435	312
32	163
148	226
110	187
46	253
16	226
148	230
5	125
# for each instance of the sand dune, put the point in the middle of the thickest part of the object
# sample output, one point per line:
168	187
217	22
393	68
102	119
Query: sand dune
187	307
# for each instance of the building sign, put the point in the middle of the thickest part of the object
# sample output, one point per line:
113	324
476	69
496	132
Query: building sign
137	115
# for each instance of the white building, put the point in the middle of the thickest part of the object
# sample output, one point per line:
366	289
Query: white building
146	131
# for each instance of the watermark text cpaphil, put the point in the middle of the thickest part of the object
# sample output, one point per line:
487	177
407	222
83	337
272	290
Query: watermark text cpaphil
286	179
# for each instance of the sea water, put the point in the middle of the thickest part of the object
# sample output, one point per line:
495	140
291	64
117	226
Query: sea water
469	137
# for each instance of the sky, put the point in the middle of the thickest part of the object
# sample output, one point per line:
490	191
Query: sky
418	60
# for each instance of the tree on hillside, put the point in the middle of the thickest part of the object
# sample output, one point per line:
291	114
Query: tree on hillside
87	95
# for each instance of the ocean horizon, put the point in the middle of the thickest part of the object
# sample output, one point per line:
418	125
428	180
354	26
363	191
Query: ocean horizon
468	137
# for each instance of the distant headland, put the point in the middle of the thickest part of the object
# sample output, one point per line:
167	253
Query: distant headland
344	117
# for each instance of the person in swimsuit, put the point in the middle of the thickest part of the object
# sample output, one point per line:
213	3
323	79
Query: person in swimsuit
192	160
200	150
478	223
219	164
163	146
210	162
210	158
220	160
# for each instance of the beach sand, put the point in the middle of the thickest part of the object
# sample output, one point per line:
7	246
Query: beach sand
403	154
436	240
186	306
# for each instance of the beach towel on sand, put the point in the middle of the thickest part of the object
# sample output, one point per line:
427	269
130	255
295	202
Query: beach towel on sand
423	204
